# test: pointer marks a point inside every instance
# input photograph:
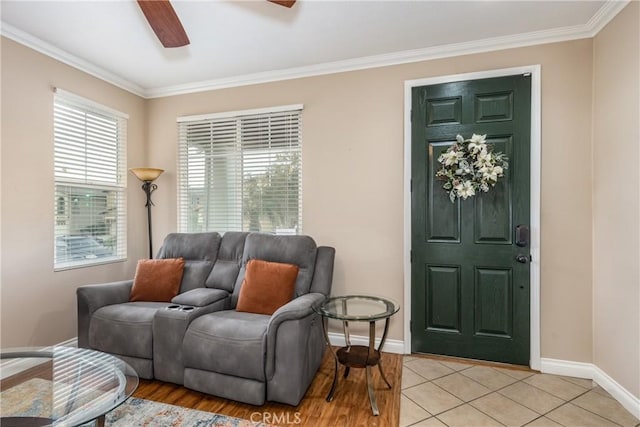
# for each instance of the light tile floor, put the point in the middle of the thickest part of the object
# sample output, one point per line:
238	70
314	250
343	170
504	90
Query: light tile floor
437	393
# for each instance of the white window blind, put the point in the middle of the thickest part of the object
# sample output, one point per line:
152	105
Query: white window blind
90	182
241	171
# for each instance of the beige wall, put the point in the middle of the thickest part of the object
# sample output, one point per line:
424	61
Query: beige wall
616	199
353	174
39	305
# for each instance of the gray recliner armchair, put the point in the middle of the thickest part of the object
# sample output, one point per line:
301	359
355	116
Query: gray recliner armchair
255	357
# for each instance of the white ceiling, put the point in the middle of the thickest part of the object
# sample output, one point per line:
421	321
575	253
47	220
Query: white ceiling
240	42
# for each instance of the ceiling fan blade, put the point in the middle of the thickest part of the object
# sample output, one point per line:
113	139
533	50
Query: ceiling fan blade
285	3
164	22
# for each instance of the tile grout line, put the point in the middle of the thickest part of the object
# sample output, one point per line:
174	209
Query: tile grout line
497	391
564	401
585	409
463	402
502	388
472	400
416	403
536	412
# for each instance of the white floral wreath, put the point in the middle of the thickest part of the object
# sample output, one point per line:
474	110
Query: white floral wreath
470	165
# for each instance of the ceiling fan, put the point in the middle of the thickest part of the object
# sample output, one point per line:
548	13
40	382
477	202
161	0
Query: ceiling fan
165	22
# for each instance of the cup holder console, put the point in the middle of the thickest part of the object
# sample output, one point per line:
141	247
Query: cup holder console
180	307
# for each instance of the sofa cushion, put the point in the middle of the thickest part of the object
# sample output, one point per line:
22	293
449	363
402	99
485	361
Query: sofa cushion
228	342
297	250
124	329
200	297
195	274
267	286
157	279
193	246
225	271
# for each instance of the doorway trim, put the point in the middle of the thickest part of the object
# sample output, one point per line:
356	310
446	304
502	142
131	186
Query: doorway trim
534	70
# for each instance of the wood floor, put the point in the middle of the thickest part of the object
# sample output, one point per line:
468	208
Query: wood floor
350	405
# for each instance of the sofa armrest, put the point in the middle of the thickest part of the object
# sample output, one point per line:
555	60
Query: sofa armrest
297	308
92	297
200	297
323	273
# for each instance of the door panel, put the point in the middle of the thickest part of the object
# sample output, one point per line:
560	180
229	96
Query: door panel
493	289
470	297
493	107
443	299
444	111
492	210
445	226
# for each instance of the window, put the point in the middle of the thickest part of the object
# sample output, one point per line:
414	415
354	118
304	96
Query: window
241	171
90	182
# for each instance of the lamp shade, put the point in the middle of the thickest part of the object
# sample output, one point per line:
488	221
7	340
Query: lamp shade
146	174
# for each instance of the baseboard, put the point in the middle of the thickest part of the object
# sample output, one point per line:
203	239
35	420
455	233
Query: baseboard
71	342
590	371
566	368
390	346
621	394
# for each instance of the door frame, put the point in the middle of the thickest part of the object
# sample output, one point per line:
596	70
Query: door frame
534	70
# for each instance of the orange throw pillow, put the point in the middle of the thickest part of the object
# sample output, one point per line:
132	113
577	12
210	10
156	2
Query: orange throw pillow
267	286
157	279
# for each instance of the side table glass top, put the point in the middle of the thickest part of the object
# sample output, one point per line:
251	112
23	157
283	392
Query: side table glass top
357	307
62	386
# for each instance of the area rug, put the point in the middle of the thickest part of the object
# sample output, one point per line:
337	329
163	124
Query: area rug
139	412
33	399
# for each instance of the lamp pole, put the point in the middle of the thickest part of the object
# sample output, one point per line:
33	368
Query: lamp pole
149	187
147	176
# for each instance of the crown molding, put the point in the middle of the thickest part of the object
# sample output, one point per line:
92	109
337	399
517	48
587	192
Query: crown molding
385	60
605	14
19	36
601	18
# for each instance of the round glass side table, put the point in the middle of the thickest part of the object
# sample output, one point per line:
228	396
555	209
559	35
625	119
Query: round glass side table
62	386
357	308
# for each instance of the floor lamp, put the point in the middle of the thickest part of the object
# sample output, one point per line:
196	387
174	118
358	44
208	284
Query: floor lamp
147	176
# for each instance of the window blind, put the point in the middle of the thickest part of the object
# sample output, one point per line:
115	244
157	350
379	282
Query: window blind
241	171
90	182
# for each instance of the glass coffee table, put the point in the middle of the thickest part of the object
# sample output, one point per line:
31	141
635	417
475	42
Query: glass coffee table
61	386
358	308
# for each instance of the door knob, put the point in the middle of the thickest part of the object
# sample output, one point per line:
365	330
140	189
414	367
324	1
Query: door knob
522	258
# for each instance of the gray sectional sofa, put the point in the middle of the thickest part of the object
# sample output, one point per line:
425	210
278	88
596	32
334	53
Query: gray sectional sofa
199	339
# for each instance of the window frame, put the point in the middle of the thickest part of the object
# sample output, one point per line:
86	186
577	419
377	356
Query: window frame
104	180
237	123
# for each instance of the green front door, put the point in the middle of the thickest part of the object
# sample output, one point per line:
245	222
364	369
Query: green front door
470	259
